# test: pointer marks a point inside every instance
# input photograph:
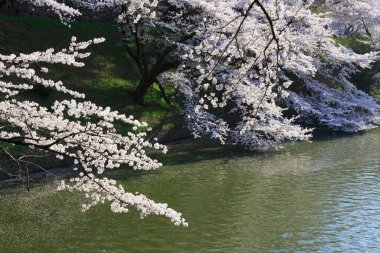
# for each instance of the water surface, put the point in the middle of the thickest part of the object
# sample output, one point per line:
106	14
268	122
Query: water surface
322	196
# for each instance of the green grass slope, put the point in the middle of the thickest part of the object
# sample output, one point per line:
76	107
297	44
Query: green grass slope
364	79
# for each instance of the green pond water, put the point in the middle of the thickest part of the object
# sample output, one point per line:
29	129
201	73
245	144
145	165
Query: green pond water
322	196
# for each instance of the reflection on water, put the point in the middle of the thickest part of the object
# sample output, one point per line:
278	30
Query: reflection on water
310	197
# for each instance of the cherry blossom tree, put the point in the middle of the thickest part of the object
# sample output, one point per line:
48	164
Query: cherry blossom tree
250	53
355	18
151	32
152	40
251	71
74	128
256	59
253	59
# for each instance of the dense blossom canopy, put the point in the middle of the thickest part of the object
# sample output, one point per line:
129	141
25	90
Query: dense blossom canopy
256	59
251	71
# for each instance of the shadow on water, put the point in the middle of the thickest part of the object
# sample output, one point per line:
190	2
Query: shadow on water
226	153
190	154
321	134
193	153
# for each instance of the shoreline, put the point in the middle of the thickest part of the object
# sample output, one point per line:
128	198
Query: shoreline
180	144
47	175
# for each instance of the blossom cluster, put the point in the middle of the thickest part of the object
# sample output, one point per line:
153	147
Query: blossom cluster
65	12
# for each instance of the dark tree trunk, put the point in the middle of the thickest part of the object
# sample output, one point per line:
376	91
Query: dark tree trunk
149	79
143	87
